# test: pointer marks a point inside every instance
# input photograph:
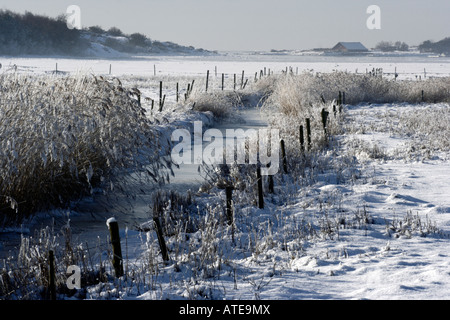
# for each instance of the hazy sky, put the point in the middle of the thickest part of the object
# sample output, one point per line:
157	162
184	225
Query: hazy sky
258	24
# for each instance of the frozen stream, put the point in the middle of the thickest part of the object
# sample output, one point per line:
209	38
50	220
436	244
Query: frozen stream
88	217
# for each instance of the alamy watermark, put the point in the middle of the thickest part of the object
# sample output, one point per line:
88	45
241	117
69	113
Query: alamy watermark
374	20
73	17
74	280
238	146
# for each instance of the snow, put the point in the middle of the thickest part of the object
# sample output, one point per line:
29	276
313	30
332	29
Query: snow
367	262
229	63
110	220
364	263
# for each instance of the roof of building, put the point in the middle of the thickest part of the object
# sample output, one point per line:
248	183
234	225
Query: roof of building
352	46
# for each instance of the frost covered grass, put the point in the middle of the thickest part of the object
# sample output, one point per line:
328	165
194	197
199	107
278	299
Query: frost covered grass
61	137
425	125
294	94
334	215
27	275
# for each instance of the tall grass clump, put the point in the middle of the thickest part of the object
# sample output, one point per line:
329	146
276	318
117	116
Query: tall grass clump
62	137
220	103
293	94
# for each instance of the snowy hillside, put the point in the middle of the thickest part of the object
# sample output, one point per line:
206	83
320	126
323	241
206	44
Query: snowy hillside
37	35
109	46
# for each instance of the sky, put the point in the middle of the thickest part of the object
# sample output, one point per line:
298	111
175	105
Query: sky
246	25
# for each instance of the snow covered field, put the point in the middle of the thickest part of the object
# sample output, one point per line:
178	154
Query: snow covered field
408	67
382	234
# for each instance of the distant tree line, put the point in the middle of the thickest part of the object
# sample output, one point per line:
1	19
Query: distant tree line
137	42
35	34
30	34
440	47
387	46
114	38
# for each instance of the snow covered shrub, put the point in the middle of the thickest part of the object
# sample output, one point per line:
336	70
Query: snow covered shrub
294	94
220	103
412	225
62	137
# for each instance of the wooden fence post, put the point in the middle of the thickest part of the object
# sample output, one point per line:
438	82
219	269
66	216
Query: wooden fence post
229	200
223	81
192	87
207	80
162	104
162	242
160	95
242	80
283	156
308	132
302	139
260	187
51	275
117	260
186	95
324	120
245	83
270	183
